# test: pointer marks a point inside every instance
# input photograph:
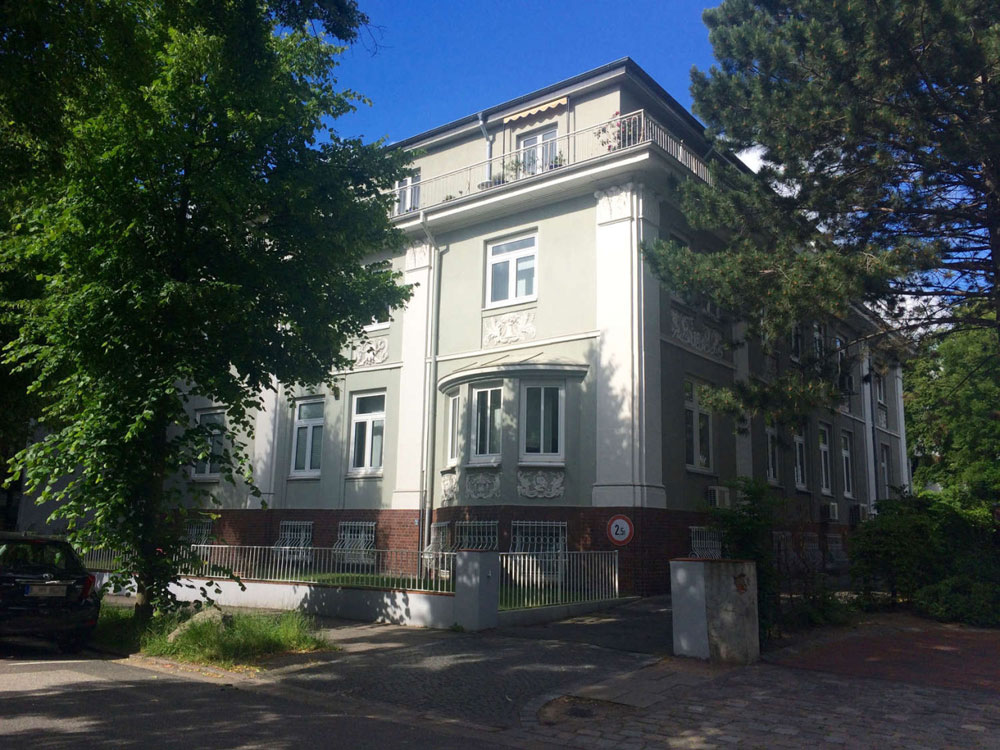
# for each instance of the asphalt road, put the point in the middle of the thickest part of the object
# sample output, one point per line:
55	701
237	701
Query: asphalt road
48	700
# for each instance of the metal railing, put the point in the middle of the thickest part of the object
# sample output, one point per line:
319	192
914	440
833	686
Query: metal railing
380	569
541	579
617	134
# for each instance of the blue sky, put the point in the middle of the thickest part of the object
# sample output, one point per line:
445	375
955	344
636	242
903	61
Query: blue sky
427	63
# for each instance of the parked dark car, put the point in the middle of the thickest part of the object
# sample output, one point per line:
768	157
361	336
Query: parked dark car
45	591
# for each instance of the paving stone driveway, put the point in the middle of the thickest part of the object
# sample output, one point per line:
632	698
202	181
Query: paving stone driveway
795	703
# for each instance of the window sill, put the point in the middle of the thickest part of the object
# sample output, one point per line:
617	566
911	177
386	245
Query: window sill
355	475
520	301
801	488
703	472
206	477
492	463
826	493
555	463
304	475
449	469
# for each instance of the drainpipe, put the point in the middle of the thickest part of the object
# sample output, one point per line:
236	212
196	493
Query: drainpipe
430	389
489	148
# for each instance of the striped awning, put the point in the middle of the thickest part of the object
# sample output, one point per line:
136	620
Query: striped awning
535	110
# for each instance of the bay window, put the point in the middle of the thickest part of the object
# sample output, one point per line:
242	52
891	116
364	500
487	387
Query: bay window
542	422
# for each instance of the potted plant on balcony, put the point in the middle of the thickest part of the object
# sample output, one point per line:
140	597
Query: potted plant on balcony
557	161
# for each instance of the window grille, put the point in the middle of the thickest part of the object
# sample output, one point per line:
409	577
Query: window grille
836	555
295	534
440	538
538	536
810	550
478	535
706	542
199	531
357	540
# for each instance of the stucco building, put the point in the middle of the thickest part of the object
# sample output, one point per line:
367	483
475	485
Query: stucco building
541	381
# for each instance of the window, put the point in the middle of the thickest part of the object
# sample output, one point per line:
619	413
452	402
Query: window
542	408
454	428
796	343
355	542
510	273
476	535
846	454
307	442
488	416
697	429
800	458
408	193
824	460
295	534
845	378
367	433
773	463
537	151
885	466
880	389
819	341
212	423
380	322
538	536
198	531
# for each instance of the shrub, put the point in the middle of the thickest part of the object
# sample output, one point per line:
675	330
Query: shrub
961	598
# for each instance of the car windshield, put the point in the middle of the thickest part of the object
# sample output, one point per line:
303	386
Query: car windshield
38	555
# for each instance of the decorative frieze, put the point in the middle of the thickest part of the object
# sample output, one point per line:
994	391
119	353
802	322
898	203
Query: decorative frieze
372	352
540	483
482	485
511	328
700	338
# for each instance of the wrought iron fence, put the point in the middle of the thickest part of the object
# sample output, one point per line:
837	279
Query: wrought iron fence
616	134
541	579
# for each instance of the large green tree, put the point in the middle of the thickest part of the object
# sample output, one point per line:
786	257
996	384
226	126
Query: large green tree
953	416
877	123
177	219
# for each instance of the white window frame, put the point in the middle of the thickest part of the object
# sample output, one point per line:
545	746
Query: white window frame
408	193
369	419
847	461
819	341
310	426
879	389
511	258
825	460
379	325
494	452
885	465
801	459
207	475
772	454
559	457
693	405
454	427
542	147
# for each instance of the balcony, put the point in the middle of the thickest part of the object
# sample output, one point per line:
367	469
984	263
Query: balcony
616	135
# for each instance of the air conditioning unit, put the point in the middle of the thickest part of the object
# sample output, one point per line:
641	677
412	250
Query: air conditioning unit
717	497
829	512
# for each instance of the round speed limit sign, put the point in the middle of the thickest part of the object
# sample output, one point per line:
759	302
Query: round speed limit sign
620	530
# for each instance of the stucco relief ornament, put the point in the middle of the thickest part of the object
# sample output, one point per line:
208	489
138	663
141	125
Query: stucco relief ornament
707	340
540	483
483	485
614	203
372	352
449	488
508	329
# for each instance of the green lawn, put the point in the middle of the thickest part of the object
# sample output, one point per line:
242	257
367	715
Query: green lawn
243	642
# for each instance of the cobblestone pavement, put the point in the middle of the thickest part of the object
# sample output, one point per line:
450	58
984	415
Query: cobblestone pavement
679	703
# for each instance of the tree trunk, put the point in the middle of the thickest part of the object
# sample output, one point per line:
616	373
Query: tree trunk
150	553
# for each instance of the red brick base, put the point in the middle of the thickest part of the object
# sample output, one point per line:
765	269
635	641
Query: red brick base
644	563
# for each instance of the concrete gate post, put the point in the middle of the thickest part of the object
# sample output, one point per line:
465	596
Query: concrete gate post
477	589
715	609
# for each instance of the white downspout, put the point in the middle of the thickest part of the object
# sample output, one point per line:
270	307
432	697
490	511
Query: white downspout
430	389
489	149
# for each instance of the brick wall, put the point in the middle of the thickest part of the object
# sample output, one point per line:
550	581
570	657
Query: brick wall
394	529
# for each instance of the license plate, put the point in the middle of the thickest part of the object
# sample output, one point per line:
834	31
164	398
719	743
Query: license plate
46	591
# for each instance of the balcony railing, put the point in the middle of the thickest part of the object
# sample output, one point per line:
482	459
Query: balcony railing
617	134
